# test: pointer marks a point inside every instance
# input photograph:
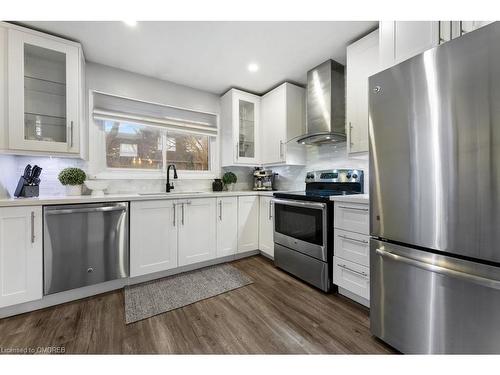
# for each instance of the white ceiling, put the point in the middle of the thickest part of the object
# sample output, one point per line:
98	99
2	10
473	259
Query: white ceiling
213	56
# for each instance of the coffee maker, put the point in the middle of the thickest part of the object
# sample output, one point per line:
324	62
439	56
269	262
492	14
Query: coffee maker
263	179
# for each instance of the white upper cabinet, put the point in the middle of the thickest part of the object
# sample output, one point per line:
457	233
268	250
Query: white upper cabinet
282	120
197	230
227	226
266	226
21	267
240	122
153	236
400	40
248	223
45	93
362	62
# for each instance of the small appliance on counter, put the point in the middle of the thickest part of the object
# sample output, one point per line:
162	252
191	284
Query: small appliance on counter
217	185
29	183
263	179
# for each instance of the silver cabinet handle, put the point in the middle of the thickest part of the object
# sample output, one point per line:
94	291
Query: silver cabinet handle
364	274
352	239
354	208
220	210
350	135
182	220
174	213
237	150
490	283
270	209
282	153
32	227
84	210
71	133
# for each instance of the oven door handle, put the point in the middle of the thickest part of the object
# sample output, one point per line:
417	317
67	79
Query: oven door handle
290	202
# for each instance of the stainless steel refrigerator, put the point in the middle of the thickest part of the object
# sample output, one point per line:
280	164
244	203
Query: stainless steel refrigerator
435	198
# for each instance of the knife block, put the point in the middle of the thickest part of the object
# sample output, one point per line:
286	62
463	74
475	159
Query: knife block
25	190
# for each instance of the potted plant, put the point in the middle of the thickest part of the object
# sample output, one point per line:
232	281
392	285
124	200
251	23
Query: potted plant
73	179
229	180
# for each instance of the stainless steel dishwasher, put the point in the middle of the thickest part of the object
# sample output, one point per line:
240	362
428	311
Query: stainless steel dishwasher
84	244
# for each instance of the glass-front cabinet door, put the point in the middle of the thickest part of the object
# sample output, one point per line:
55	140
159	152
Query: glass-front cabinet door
44	94
246	123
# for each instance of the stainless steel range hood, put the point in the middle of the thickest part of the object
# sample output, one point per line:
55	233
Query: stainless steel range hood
325	104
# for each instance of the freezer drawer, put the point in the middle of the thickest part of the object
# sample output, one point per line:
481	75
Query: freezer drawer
84	244
426	303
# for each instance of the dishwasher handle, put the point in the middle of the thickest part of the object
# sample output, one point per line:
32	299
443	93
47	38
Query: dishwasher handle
85	210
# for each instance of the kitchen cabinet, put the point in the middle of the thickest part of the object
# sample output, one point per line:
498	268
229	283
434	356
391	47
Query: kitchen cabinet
351	263
153	236
449	30
266	226
400	40
197	230
240	128
227	226
283	120
21	264
362	62
248	223
44	93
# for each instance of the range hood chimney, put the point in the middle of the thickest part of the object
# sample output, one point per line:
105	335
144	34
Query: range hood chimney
325	104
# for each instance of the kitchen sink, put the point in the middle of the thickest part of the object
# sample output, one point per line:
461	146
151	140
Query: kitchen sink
163	194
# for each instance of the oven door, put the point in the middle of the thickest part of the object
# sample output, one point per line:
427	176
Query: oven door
301	226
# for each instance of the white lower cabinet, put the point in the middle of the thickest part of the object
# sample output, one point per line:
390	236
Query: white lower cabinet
352	246
353	217
21	263
352	277
153	237
227	226
266	227
197	228
248	223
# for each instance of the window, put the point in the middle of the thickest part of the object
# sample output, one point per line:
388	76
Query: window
136	139
136	146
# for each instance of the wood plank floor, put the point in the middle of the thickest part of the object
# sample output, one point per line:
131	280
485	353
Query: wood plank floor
277	314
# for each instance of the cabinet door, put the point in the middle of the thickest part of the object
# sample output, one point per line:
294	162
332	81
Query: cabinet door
400	40
227	226
362	62
273	126
248	223
153	236
44	84
21	266
266	228
197	228
246	119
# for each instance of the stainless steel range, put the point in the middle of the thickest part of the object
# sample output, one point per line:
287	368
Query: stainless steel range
303	225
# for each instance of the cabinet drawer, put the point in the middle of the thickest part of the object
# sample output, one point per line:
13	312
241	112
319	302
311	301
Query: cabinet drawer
352	246
352	277
353	217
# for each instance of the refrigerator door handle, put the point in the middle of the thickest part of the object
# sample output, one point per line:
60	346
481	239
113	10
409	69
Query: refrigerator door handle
490	283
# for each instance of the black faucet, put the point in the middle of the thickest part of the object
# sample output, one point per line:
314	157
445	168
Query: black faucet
169	185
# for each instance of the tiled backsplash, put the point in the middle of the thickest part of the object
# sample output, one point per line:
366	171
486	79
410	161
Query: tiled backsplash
289	177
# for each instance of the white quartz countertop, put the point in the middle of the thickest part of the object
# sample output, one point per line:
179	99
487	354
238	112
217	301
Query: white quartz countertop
53	200
355	198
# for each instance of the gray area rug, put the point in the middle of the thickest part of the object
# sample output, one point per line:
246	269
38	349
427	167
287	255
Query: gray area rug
155	297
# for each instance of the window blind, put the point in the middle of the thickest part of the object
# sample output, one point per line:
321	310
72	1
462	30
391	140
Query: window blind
114	108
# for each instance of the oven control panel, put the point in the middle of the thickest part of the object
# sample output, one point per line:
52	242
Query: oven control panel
335	175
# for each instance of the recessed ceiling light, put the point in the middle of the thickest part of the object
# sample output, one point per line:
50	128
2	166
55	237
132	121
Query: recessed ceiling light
253	67
130	23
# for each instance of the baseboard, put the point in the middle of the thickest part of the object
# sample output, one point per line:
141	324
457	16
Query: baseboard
92	290
266	255
354	297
